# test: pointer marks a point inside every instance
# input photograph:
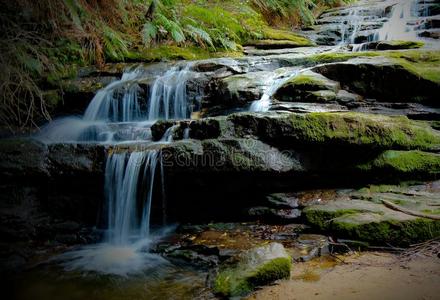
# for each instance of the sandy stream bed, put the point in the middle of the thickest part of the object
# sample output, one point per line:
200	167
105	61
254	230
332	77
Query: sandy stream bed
370	275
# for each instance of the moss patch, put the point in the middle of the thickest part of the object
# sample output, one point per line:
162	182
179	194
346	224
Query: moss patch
276	34
257	267
406	162
364	129
398	44
371	222
178	53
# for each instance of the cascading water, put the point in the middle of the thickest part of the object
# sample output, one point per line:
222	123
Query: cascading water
123	173
404	20
263	104
129	176
123	111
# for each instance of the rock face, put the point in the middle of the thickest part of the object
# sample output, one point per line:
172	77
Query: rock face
256	267
49	193
253	154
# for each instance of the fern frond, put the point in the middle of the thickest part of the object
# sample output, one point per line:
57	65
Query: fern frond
199	35
149	32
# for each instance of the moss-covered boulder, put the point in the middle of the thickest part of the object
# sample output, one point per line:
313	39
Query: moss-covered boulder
386	79
338	129
279	39
393	45
308	86
371	222
256	267
410	163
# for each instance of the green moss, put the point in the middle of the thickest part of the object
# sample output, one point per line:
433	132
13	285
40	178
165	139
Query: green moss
276	34
399	44
406	162
308	80
322	218
375	131
423	63
278	268
400	233
236	282
338	56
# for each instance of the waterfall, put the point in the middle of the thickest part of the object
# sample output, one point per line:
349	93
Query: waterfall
125	172
398	26
168	95
263	104
351	23
125	110
402	24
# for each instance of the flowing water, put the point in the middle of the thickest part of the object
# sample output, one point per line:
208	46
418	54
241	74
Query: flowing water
402	24
123	112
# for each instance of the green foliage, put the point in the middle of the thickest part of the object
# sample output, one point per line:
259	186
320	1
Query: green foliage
115	46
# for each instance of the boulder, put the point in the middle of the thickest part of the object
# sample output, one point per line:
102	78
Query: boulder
371	222
392	45
238	90
308	86
385	79
256	267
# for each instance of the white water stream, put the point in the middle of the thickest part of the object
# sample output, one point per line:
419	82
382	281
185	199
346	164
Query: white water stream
120	114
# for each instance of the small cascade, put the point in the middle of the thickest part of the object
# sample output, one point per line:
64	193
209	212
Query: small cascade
125	110
129	187
125	173
263	104
349	27
168	95
168	135
186	133
401	23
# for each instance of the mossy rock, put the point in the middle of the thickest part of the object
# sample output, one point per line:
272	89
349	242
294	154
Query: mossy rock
371	222
278	44
405	162
308	86
277	34
384	79
398	45
256	267
341	129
